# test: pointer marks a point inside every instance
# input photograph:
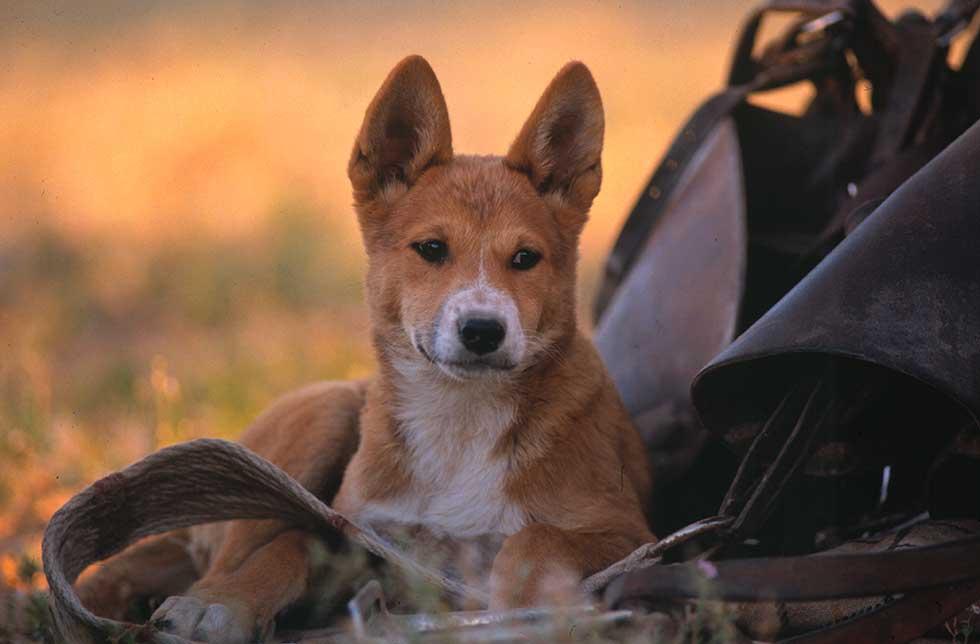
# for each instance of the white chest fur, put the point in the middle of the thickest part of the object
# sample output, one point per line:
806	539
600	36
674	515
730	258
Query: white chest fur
451	429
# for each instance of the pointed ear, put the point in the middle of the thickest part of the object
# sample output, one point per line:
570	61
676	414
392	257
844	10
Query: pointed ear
405	131
560	146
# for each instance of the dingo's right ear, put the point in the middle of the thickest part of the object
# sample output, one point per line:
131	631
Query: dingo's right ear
560	145
405	131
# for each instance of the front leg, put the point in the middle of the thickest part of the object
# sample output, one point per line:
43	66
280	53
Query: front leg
542	565
157	566
257	568
262	567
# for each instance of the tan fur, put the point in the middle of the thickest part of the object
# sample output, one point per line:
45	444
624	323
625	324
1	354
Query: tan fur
541	451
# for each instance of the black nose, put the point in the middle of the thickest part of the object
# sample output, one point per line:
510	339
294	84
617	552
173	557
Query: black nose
481	335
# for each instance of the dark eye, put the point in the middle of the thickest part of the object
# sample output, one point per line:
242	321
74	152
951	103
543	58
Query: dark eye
525	259
432	250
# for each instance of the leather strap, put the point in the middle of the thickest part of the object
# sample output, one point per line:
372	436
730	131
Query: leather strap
899	621
805	578
776	456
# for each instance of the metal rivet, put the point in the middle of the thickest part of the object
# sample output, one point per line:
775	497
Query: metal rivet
671	164
654	192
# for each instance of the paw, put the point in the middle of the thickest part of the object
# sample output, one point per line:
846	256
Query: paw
537	586
193	619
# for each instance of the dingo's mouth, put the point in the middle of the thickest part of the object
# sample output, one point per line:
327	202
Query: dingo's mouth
465	368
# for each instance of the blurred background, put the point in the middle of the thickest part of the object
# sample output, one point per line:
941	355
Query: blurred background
177	246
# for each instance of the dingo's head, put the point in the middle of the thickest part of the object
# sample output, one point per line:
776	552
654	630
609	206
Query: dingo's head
472	259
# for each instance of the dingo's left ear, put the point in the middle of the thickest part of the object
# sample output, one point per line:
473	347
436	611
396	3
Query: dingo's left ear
405	131
560	146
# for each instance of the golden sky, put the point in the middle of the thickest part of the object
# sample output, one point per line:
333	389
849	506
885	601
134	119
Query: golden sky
134	118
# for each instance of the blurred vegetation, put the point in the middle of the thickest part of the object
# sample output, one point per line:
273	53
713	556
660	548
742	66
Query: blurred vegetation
111	351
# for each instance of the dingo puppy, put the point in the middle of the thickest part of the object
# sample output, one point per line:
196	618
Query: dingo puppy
491	415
